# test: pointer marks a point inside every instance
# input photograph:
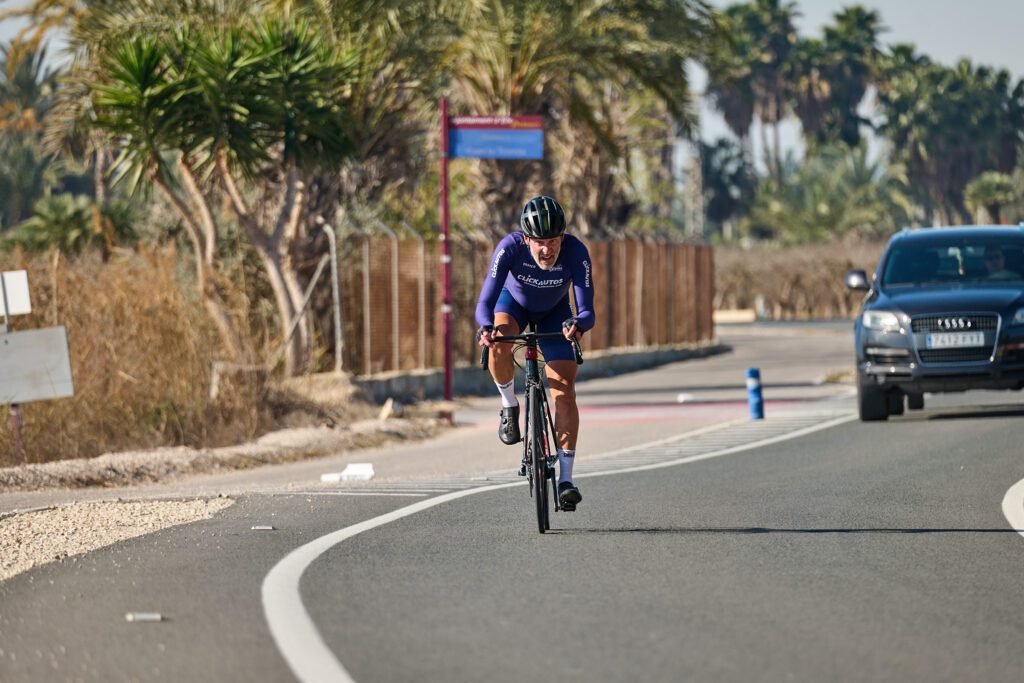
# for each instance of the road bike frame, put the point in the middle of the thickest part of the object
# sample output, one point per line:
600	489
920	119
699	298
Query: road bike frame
539	454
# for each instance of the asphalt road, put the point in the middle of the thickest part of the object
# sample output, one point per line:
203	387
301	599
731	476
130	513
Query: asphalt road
805	547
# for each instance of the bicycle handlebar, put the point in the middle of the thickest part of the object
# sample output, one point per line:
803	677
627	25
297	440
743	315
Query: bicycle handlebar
525	337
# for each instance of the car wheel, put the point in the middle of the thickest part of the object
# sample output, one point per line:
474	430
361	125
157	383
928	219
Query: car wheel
915	401
895	401
872	404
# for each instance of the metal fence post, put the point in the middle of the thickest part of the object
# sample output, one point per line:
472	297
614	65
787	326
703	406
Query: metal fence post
367	338
338	343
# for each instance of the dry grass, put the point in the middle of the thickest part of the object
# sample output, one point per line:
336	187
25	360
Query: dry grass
796	283
141	352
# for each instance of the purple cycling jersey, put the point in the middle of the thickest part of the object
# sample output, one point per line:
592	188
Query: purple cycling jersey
535	289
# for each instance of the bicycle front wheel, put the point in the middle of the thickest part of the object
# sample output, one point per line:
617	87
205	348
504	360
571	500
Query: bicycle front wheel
539	462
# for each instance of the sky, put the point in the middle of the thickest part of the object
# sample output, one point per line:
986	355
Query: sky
985	31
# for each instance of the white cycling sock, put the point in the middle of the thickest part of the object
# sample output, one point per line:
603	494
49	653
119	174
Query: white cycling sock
565	460
508	393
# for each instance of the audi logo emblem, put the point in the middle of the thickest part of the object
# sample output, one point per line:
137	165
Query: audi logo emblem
954	324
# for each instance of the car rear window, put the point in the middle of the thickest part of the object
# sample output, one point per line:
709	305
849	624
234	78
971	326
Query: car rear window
963	261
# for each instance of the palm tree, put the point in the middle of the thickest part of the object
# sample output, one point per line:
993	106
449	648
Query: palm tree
25	175
811	90
831	76
990	191
26	93
852	49
250	110
66	221
771	24
562	60
730	81
757	72
949	124
391	99
836	191
27	88
729	183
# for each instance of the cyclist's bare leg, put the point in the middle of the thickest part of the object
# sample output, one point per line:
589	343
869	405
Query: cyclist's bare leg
501	355
562	385
503	371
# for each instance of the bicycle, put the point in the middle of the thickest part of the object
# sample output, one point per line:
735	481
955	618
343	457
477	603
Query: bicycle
538	463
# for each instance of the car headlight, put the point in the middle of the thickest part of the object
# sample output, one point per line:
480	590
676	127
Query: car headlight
886	321
1018	317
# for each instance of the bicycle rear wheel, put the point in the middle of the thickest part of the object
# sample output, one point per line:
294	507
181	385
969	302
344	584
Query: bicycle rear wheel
539	461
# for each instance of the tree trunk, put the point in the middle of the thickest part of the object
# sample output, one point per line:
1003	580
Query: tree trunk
286	235
268	250
207	289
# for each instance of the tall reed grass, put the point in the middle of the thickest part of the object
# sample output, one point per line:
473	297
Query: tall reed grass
141	352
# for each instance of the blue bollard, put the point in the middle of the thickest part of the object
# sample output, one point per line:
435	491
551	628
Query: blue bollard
754	398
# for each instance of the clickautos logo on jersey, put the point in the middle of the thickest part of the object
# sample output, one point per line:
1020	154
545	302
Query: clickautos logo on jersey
586	279
494	268
529	280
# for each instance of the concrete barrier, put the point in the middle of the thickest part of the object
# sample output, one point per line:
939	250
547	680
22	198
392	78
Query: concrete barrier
418	385
734	315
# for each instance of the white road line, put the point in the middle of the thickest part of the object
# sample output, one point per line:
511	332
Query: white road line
293	629
406	494
726	451
291	626
1013	507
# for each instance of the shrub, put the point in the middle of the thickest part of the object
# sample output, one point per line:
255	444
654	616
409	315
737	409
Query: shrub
792	283
141	351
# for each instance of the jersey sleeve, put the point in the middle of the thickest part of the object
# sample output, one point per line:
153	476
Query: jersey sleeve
501	262
583	288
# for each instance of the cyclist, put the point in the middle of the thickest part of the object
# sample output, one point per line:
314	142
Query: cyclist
529	279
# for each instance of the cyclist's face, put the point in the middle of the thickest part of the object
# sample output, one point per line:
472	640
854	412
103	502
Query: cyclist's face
545	252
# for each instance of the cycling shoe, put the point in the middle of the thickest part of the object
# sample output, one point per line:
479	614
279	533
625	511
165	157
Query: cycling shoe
568	496
508	429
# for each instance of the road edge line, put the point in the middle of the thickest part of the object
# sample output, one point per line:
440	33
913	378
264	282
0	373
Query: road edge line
1013	507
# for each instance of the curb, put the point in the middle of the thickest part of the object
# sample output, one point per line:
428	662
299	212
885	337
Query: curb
418	385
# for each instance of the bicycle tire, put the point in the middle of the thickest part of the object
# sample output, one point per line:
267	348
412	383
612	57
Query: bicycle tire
539	462
549	444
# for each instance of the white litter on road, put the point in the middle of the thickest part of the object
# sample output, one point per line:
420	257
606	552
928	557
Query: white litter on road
143	616
354	471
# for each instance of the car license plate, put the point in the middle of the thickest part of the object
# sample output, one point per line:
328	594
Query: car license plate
954	340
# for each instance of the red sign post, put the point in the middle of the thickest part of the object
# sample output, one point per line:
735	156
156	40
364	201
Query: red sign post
479	137
446	257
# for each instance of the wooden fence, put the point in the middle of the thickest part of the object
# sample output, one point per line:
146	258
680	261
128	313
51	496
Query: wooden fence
646	294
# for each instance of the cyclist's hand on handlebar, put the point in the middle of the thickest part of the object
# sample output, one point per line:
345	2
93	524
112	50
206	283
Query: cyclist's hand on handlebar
483	336
570	328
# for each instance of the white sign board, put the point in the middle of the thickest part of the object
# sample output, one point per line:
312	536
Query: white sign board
15	287
35	366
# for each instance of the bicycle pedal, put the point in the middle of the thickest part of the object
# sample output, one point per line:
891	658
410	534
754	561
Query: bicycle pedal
568	507
522	470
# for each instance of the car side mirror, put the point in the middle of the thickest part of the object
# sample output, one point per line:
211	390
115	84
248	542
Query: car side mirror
856	279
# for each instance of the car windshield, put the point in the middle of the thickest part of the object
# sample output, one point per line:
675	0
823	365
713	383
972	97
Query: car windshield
962	261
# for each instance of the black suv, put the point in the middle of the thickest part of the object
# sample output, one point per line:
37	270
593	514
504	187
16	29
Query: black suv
944	312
